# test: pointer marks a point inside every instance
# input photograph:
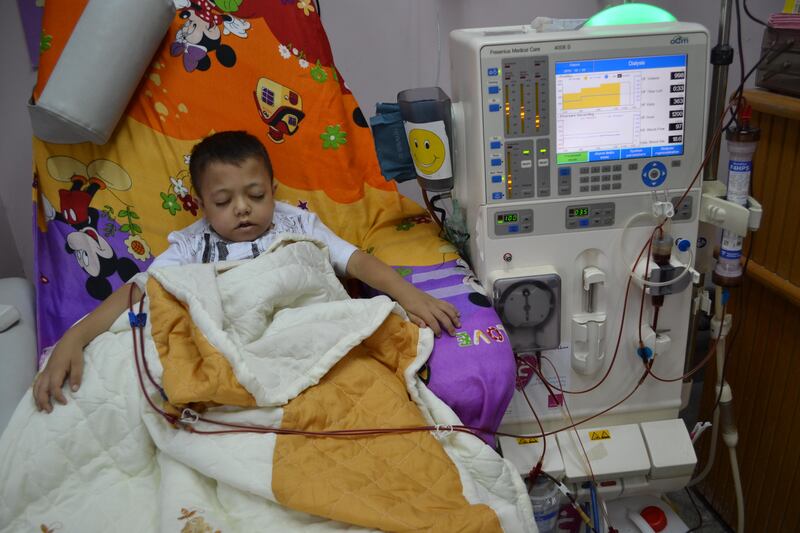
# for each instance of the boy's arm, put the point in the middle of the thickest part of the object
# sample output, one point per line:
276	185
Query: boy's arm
423	309
67	357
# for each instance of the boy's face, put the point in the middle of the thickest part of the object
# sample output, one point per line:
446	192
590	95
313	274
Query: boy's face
238	200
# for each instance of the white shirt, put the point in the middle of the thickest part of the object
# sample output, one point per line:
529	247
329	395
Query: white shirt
199	243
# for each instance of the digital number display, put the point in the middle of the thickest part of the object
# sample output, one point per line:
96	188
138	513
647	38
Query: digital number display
507	218
579	212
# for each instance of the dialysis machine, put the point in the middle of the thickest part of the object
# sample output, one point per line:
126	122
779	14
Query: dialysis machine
570	150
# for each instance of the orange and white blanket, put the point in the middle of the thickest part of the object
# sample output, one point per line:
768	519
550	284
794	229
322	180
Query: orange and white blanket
277	342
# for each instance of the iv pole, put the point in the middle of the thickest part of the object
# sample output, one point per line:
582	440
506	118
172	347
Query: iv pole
721	58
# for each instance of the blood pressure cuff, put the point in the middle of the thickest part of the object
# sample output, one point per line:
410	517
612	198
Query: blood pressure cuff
391	144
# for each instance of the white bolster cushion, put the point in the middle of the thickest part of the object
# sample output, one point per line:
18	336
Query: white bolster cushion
99	69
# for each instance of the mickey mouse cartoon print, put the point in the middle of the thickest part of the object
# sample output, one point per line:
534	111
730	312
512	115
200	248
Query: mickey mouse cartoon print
93	253
200	35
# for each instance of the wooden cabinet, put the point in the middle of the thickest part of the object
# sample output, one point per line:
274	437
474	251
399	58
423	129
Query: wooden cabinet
764	362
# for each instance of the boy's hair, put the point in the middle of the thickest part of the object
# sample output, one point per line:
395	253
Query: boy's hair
232	147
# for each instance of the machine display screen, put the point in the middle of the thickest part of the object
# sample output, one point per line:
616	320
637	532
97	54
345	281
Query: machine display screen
507	218
579	212
620	108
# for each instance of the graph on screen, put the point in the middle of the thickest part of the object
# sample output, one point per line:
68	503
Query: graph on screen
612	94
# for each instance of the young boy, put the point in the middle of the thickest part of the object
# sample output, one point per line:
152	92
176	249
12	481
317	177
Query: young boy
232	176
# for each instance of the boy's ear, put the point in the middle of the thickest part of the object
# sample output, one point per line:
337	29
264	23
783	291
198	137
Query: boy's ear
274	185
200	202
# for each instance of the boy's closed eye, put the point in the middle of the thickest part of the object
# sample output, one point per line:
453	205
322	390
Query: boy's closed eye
221	199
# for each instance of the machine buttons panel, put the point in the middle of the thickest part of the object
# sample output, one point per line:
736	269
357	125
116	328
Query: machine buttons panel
654	173
593	179
588	216
520	171
543	172
513	222
564	181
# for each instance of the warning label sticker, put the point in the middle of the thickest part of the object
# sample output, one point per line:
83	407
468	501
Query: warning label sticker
599	434
527	440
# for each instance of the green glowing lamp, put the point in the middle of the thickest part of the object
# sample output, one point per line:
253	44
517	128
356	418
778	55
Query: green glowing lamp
630	14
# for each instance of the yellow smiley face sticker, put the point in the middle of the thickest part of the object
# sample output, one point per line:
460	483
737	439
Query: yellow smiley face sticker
427	149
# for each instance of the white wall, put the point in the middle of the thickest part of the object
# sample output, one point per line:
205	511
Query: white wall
384	46
381	47
16	236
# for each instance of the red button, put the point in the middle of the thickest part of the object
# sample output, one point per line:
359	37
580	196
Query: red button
655	518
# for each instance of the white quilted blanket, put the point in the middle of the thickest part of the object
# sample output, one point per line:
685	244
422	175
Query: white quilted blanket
107	462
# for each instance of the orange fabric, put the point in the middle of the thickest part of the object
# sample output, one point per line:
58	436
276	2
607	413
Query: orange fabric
194	370
183	105
400	482
397	482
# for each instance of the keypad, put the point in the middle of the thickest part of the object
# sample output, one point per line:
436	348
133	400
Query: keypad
597	178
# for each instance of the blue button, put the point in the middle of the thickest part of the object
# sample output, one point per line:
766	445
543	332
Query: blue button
495	145
497	196
493	71
583	222
565	171
497	162
497	179
633	153
513	228
667	150
493	108
654	173
604	155
494	89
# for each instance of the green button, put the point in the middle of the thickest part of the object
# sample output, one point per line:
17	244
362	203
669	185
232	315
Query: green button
572	157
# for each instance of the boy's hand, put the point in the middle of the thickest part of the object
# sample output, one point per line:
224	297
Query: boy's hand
67	357
66	360
426	311
423	309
